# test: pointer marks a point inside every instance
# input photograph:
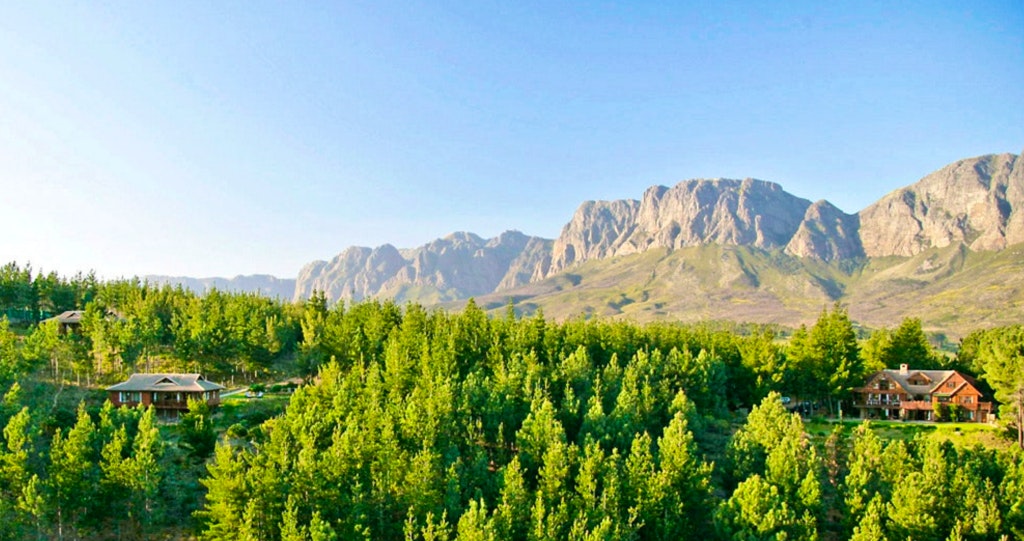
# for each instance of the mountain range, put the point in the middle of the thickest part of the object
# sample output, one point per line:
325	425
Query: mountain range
947	249
264	284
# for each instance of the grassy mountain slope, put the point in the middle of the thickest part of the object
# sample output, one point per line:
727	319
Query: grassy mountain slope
953	289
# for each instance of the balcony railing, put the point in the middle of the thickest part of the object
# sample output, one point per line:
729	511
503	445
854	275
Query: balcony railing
171	404
895	402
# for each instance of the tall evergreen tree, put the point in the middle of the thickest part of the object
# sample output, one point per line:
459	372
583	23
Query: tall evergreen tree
16	507
73	476
1001	359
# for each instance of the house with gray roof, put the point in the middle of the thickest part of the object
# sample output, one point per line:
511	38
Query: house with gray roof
167	393
71	320
922	395
68	321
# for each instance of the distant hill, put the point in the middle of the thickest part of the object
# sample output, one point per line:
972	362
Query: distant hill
263	284
947	248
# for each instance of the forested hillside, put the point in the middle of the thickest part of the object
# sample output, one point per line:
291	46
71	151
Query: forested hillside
427	424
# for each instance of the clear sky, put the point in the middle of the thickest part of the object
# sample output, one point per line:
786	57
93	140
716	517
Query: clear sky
223	138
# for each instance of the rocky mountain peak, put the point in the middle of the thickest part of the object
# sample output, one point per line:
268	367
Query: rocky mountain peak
459	265
695	212
826	233
978	202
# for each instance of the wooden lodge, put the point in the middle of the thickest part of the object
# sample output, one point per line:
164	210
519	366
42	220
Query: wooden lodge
167	393
918	395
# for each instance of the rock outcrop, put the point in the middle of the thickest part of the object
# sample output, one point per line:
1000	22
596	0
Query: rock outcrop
457	266
692	213
978	202
599	229
826	233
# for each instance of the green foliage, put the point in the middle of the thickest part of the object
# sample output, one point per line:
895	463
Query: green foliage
907	344
999	354
11	364
778	471
864	481
456	411
73	475
826	360
196	429
27	297
757	510
422	424
18	501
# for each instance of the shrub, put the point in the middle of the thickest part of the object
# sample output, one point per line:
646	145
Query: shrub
237	431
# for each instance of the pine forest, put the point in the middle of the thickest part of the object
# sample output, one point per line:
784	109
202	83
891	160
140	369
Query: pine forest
378	421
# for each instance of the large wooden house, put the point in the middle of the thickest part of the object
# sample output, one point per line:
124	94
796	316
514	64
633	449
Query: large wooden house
918	395
167	393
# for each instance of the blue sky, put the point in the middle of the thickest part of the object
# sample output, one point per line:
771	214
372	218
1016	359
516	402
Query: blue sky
224	138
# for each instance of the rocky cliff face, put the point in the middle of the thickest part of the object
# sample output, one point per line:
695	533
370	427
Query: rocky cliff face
692	213
457	266
978	202
826	233
599	229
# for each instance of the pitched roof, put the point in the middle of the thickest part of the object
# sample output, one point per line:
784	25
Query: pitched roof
934	376
70	316
936	379
166	382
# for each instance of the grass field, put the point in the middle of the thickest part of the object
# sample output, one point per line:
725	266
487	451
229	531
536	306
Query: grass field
248	412
960	434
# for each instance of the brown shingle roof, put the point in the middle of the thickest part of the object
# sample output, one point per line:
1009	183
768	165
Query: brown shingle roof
935	377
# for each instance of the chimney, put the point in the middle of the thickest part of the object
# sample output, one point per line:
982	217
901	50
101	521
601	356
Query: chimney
903	369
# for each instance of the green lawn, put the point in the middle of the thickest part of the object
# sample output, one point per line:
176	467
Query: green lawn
961	434
248	412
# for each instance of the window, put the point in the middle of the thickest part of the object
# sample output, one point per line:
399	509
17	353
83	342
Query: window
129	396
951	385
968	399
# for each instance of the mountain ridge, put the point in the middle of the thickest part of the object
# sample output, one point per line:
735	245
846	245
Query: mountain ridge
779	253
975	202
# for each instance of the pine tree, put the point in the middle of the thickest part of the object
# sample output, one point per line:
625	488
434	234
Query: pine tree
864	480
685	482
15	477
870	527
1002	362
72	475
226	494
474	524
